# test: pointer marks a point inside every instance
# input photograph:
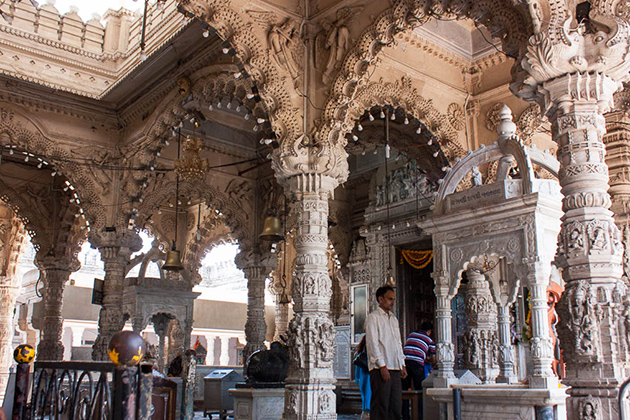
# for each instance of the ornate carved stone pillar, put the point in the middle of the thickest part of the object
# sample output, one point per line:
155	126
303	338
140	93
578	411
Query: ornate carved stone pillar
480	353
617	142
444	318
282	319
175	339
574	87
160	325
55	271
115	248
8	295
589	249
542	351
506	357
256	326
309	393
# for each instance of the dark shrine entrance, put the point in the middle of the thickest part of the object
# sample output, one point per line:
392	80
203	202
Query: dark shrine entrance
417	298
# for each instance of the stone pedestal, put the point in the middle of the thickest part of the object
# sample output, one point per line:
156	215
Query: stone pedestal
258	403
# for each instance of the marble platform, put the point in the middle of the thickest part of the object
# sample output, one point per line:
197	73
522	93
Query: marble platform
508	402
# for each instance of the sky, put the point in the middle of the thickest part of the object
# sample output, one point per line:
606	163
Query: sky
87	8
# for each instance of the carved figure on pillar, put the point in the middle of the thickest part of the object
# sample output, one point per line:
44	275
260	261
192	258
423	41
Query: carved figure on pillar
115	248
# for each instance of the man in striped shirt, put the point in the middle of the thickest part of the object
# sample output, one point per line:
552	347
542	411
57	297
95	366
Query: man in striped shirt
419	348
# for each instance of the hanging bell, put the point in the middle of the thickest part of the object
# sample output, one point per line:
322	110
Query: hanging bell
284	299
272	230
173	261
390	280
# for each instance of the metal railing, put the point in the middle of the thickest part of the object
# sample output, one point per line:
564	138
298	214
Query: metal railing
83	390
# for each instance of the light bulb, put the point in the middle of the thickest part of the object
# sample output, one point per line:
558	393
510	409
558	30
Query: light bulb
226	50
370	116
211	107
393	117
436	153
382	114
430	142
419	129
261	120
250	96
354	137
387	150
206	33
359	127
406	120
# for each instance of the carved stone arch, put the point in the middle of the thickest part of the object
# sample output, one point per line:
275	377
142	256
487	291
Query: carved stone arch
502	19
197	249
21	210
232	213
400	93
253	53
208	84
16	129
524	156
69	236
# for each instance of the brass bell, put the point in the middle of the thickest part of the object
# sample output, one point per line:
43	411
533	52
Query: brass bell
284	299
272	230
173	261
390	280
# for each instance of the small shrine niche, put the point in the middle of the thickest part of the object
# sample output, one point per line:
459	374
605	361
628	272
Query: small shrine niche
492	241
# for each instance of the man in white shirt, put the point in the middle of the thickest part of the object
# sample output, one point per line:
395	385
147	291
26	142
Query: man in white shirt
386	360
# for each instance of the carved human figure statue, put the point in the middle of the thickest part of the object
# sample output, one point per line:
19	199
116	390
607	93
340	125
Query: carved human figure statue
336	41
281	38
476	176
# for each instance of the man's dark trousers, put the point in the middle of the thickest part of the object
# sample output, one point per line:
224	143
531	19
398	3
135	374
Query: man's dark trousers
386	401
415	376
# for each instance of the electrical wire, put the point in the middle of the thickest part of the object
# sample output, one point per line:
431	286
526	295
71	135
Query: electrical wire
89	164
493	45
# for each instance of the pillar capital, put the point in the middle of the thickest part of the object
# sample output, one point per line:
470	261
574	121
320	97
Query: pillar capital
116	244
49	262
305	159
565	47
